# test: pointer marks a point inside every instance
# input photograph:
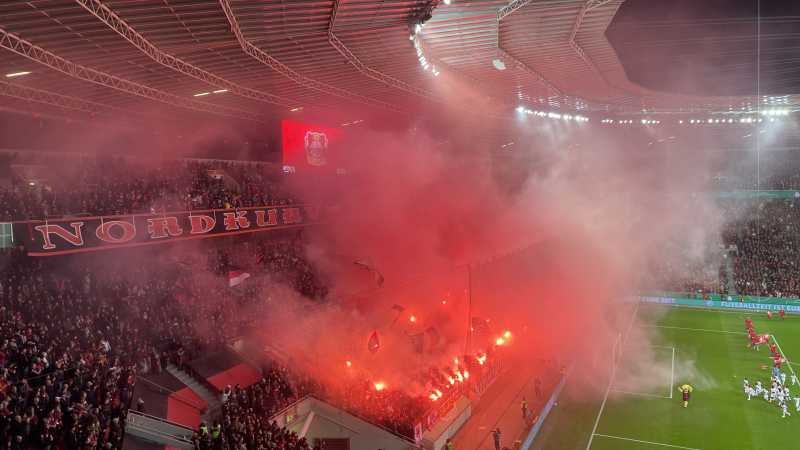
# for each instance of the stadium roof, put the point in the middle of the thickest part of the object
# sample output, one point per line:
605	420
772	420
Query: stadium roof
254	59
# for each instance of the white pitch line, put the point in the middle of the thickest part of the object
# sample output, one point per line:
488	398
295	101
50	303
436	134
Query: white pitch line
672	373
694	329
639	394
611	380
784	354
646	442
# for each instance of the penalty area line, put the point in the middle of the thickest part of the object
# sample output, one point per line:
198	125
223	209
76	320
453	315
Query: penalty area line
672	374
638	394
644	442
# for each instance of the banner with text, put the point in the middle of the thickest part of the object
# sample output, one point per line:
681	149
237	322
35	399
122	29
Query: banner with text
762	306
83	234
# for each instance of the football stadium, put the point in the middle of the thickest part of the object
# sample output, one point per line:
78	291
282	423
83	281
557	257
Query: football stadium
399	225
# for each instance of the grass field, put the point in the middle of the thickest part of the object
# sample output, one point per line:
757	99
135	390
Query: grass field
704	348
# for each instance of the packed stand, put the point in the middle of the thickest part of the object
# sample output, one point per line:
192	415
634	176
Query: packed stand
676	268
766	240
76	331
112	186
390	408
245	420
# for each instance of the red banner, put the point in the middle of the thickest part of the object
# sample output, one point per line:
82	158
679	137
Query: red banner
82	234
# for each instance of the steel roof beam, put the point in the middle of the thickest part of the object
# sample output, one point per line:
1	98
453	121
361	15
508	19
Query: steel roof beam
110	18
576	26
264	58
504	12
28	93
512	6
388	80
46	58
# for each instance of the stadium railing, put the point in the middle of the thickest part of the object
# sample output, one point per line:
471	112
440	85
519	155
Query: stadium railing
158	430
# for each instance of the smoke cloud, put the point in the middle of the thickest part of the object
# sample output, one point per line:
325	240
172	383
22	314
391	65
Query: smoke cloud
546	238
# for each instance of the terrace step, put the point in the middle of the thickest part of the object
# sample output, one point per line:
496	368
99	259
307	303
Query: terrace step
211	398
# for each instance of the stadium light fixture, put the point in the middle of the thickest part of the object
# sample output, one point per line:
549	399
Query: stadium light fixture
296	109
447	2
499	64
220	91
17	74
202	94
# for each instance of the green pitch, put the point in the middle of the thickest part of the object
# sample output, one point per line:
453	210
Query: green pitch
705	348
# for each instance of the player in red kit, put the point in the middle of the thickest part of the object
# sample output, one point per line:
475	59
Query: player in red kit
782	313
769	314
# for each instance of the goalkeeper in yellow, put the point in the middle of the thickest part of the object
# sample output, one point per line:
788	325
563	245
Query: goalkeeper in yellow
686	390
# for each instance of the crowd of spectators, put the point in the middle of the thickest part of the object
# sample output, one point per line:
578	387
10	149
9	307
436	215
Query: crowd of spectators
766	248
76	331
759	253
392	409
245	422
110	186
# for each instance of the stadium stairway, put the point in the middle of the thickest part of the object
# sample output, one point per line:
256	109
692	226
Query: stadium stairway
211	398
730	277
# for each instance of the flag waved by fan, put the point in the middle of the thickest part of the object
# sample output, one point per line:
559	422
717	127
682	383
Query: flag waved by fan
237	277
366	265
374	343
